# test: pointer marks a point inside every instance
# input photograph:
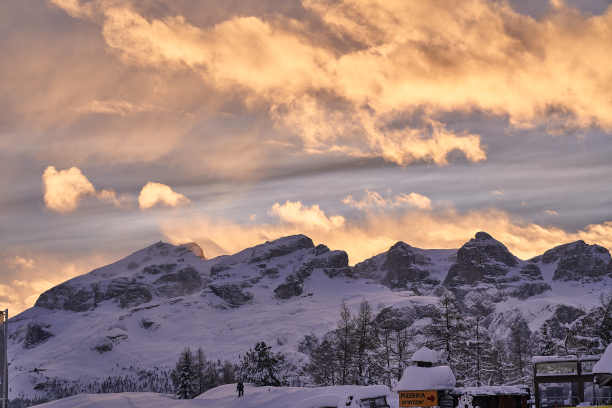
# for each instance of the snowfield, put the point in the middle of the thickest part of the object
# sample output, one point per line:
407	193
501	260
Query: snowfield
225	397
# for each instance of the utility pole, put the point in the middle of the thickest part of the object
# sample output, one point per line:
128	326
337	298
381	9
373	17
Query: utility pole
4	359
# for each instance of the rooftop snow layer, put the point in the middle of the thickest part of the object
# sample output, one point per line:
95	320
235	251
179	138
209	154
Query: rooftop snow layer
426	378
426	355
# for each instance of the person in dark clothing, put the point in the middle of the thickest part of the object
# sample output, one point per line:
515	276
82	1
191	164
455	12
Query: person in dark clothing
240	389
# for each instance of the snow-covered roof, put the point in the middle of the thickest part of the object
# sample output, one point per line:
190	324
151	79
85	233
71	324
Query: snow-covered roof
426	378
491	390
604	365
426	355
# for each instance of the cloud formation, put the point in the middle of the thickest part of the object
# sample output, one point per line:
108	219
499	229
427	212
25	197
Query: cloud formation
396	57
64	189
377	231
310	218
153	194
373	199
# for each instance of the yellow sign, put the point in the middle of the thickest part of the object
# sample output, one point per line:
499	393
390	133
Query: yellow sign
418	398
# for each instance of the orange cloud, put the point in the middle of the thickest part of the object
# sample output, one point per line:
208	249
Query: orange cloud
309	218
64	189
153	194
407	56
377	231
373	199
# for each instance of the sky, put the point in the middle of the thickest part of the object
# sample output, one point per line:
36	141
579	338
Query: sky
356	122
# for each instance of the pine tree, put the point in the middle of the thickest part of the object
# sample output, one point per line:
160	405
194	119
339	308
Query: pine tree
548	345
184	376
229	373
448	333
604	328
200	366
261	366
520	351
344	345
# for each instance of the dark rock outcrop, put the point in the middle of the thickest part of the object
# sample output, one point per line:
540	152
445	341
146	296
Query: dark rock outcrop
398	318
128	293
289	289
67	297
401	266
35	335
159	269
232	294
482	259
183	282
531	271
578	261
280	247
529	289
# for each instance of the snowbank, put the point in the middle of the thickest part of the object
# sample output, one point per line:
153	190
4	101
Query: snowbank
426	378
604	365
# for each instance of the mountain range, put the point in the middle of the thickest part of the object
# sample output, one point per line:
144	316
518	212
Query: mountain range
134	316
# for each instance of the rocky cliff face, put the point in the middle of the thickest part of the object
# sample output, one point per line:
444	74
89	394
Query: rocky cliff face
577	261
406	267
482	259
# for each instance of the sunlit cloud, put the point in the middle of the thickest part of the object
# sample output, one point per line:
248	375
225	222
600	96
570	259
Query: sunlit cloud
551	212
64	189
498	193
407	56
309	218
21	262
153	194
377	231
373	199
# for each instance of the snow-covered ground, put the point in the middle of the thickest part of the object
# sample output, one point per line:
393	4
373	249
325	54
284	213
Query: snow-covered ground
225	397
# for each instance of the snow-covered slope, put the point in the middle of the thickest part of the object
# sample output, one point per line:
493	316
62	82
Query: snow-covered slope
137	314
